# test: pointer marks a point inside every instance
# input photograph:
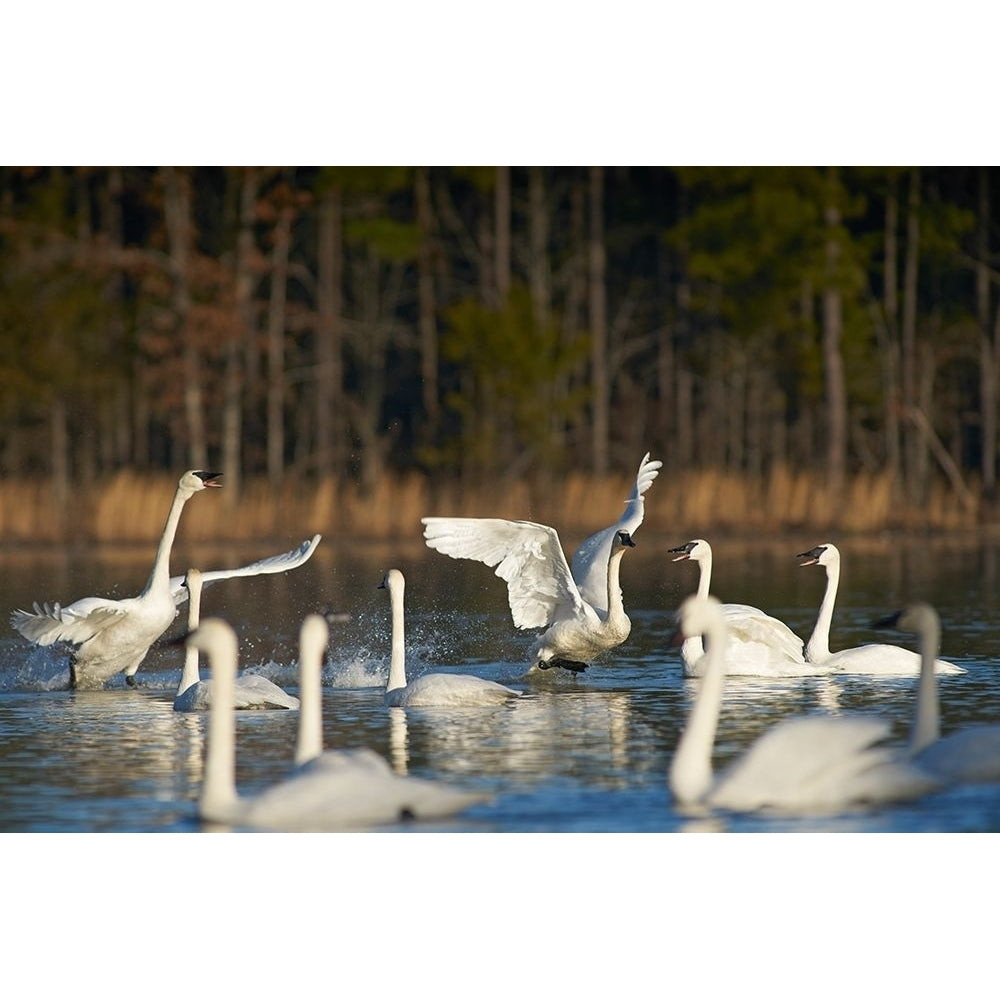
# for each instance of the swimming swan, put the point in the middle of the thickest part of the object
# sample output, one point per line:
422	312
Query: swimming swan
541	590
430	689
878	658
110	635
195	695
802	765
758	645
968	756
346	789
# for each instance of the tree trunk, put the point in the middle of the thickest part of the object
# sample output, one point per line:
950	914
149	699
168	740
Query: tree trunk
330	425
600	380
235	353
833	362
987	358
890	348
908	356
177	210
427	303
502	231
276	346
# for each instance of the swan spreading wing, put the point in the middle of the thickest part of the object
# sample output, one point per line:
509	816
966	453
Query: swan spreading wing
528	556
76	623
272	564
590	561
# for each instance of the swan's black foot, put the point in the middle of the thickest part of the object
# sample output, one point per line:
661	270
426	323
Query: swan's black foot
130	680
574	665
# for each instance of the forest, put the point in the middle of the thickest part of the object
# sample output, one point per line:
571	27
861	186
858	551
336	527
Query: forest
800	346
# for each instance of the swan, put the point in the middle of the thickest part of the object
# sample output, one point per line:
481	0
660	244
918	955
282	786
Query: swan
111	636
879	658
195	695
531	557
430	689
333	791
541	590
801	765
970	755
758	645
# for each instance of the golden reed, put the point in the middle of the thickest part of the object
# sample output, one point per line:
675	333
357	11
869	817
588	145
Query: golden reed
131	508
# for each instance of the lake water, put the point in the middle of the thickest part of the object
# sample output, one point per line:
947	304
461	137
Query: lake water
580	754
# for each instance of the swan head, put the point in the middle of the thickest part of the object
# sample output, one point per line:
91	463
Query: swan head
314	634
392	581
915	618
217	640
696	616
623	540
195	479
696	549
193	582
822	555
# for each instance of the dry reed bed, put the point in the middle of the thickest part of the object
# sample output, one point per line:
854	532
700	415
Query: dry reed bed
132	508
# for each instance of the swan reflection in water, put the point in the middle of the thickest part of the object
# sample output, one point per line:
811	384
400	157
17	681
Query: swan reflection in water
580	731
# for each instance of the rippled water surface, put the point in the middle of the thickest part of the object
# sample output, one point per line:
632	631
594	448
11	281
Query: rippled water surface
587	753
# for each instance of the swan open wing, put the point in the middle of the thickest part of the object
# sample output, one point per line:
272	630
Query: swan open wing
75	624
272	564
590	561
526	555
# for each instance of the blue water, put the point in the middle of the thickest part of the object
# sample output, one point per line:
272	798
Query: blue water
577	754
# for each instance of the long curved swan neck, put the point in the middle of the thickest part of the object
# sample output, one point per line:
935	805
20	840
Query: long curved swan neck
159	577
926	721
691	767
616	606
397	662
218	791
818	646
190	674
704	571
313	637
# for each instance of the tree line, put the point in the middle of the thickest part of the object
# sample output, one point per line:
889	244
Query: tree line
484	324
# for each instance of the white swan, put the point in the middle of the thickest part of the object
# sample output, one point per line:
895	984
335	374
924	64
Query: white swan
877	658
195	695
430	689
801	765
970	755
111	636
337	790
757	645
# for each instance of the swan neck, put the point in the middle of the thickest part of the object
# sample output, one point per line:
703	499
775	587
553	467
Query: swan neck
616	606
190	674
818	647
926	721
397	660
309	743
159	577
691	768
704	575
218	792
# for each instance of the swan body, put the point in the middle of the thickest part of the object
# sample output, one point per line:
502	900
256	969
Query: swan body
873	659
757	645
802	765
346	789
113	636
430	689
250	691
541	590
968	756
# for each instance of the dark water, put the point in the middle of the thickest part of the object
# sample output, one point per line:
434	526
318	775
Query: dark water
587	754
